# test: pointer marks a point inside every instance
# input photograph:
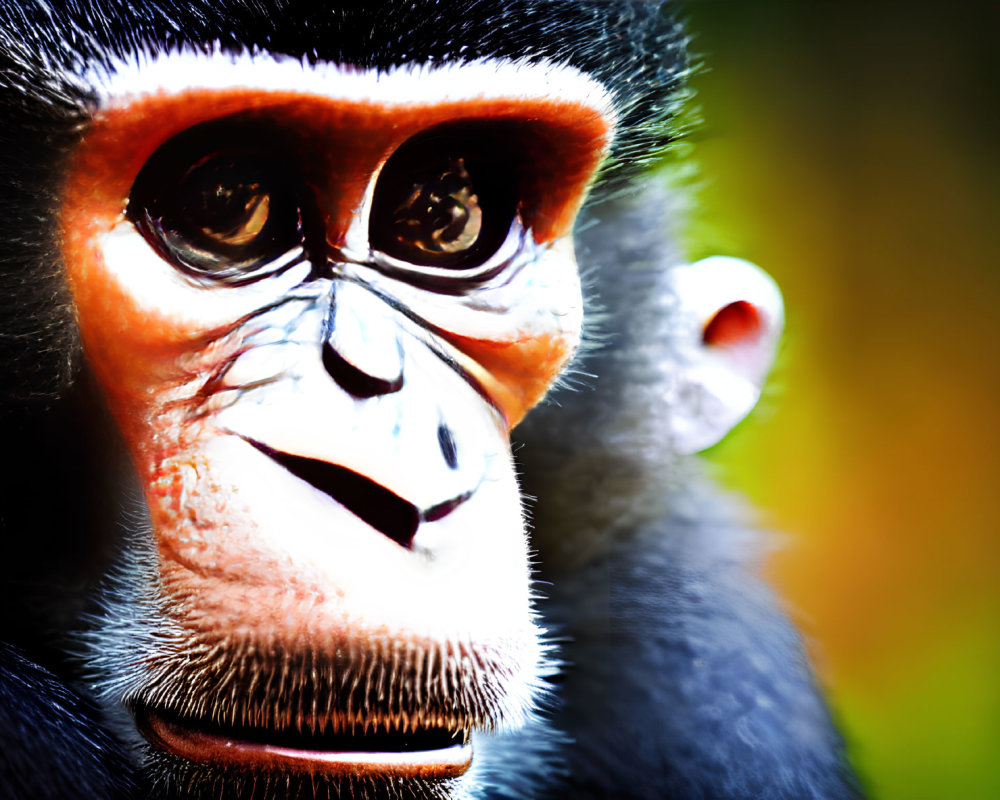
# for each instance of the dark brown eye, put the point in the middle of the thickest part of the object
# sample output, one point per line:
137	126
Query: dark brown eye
442	215
225	214
441	201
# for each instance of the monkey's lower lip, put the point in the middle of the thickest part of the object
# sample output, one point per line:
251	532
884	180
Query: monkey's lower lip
430	754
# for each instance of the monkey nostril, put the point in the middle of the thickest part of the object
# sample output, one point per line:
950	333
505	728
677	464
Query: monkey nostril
355	381
446	441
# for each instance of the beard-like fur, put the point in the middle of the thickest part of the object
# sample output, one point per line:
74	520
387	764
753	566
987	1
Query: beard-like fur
137	655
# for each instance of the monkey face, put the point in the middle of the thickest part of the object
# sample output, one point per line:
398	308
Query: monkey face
316	307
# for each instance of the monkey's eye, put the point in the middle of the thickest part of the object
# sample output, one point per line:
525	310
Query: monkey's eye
442	215
442	204
225	215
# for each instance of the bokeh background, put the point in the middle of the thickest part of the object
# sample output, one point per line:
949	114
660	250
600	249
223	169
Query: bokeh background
851	150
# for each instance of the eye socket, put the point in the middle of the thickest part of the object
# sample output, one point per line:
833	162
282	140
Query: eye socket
215	209
445	199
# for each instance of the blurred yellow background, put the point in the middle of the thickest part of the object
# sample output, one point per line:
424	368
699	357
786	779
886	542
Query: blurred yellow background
851	150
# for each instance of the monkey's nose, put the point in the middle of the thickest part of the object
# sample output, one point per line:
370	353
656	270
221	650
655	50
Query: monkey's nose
361	349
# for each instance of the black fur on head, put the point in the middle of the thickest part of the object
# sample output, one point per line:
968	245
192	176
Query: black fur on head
636	48
633	47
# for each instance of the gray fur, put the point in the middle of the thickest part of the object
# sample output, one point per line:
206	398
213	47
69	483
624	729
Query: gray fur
683	678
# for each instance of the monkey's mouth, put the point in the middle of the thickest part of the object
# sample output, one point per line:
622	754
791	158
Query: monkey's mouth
384	510
433	753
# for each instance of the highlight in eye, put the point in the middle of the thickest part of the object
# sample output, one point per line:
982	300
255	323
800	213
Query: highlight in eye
444	200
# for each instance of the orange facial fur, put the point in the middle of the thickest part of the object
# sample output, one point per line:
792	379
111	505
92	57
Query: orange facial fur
135	350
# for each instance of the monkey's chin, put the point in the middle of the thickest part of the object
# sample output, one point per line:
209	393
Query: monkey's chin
429	754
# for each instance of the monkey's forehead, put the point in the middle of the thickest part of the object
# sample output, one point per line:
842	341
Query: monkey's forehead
62	53
123	81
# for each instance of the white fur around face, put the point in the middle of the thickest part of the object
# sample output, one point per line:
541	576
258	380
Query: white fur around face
145	74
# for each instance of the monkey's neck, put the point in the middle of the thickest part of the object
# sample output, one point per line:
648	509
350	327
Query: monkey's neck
598	454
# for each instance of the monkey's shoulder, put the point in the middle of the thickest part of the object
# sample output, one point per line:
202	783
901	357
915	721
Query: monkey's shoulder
52	743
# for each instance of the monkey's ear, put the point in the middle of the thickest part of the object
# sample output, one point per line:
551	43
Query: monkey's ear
729	321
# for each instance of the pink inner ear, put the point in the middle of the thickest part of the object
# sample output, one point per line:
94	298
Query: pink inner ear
737	323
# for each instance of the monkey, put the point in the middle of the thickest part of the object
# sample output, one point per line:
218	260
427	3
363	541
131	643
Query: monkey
282	279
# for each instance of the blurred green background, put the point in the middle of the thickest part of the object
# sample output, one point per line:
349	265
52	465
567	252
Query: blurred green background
851	150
